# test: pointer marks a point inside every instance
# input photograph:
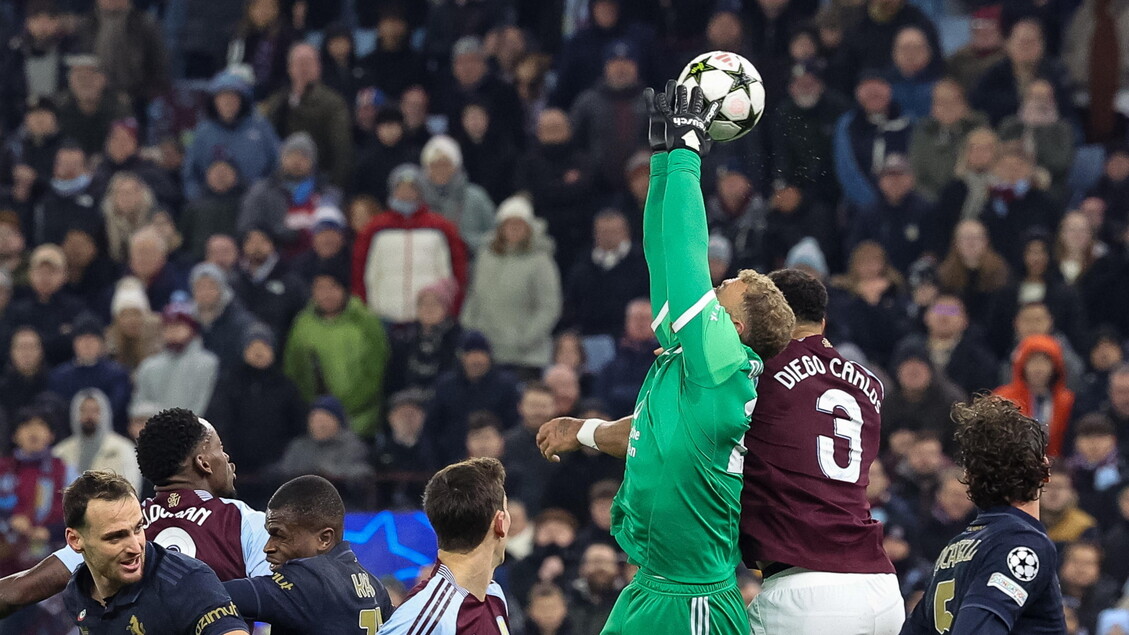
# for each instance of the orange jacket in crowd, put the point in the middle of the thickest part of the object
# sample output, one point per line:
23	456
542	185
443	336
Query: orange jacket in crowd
1062	399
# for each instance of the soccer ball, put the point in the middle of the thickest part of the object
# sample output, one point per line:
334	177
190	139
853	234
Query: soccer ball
736	83
1023	563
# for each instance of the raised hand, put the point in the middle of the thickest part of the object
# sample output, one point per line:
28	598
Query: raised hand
687	119
656	131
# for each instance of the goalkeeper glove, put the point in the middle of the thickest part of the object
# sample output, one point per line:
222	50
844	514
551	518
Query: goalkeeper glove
656	131
687	119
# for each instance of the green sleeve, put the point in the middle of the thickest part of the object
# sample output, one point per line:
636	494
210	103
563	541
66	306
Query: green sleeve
710	344
653	249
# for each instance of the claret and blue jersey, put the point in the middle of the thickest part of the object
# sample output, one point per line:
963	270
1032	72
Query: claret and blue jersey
998	576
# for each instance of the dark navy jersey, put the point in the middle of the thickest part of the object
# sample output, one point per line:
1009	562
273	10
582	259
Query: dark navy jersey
1004	564
327	594
177	595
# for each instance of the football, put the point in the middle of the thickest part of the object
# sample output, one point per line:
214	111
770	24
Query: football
733	81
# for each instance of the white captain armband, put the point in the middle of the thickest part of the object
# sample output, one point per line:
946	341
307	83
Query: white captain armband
587	433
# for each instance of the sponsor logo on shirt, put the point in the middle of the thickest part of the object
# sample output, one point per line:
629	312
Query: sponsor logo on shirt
214	615
1009	587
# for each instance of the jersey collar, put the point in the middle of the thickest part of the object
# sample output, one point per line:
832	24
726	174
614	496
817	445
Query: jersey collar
1018	513
126	595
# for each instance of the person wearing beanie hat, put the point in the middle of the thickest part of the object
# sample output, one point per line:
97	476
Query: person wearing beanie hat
308	105
330	250
329	447
183	374
233	127
135	331
258	408
338	345
285	202
91	368
447	190
807	255
515	296
222	317
419	248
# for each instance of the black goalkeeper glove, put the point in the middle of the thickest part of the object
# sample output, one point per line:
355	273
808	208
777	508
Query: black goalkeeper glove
656	131
687	120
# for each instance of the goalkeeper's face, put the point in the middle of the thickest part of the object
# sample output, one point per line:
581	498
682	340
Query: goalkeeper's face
731	295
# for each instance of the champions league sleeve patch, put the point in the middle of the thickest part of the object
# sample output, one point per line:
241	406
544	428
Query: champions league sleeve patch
1023	563
1009	587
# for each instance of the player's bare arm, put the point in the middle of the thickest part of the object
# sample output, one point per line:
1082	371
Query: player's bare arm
562	435
38	583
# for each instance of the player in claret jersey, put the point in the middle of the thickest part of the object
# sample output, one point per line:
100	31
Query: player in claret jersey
999	575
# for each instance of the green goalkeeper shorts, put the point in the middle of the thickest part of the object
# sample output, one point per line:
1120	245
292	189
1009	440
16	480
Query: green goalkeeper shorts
653	606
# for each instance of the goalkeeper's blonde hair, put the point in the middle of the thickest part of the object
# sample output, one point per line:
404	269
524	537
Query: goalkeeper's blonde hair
768	319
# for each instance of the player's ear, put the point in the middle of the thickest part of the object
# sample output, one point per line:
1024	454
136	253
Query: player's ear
326	538
74	539
202	464
501	526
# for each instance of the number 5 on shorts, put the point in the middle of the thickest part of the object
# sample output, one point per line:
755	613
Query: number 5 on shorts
942	616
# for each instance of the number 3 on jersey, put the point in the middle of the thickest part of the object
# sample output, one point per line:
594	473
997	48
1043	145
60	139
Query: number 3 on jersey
849	428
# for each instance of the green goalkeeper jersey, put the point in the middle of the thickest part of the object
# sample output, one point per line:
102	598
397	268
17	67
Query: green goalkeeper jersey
677	513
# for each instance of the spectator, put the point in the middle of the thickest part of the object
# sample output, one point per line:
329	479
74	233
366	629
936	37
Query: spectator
285	202
329	448
770	24
447	190
256	409
622	378
974	271
921	399
13	255
475	83
120	154
32	480
484	437
404	249
1079	257
964	196
221	251
148	262
581	57
1111	194
600	497
338	347
864	136
199	46
91	368
1104	355
183	374
608	119
90	273
131	49
135	331
222	318
738	213
426	348
308	105
1115	538
515	296
874	304
899	217
528	470
1034	318
915	71
404	457
719	252
593	594
475	385
984	49
93	444
1059	511
1097	468
1082	581
603	281
1043	134
870	43
34	68
68	203
565	384
340	68
1038	387
956	351
380	154
88	106
269	289
918	469
999	90
414	106
28	157
49	311
801	132
230	131
530	77
393	66
939	138
568	350
1016	205
329	247
488	157
559	178
547	611
950	513
1093	39
128	206
215	210
1117	404
25	374
262	42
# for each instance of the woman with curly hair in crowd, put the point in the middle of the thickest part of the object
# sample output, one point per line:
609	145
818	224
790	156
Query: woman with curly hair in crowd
129	205
973	271
874	315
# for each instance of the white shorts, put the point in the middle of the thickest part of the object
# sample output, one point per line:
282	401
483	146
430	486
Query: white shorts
802	602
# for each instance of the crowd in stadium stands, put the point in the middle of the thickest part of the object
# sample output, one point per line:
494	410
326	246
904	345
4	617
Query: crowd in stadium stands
369	238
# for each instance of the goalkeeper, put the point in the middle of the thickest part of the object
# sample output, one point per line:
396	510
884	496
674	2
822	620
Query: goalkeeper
677	512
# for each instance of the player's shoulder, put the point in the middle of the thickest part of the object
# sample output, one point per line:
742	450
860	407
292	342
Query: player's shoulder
1017	543
432	604
174	568
495	590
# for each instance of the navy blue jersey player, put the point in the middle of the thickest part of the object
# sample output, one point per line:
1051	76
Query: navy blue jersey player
999	575
318	587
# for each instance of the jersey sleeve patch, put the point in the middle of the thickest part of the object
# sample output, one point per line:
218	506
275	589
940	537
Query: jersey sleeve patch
1008	587
1023	563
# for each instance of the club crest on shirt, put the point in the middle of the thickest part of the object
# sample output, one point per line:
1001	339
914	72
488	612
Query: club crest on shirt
82	615
174	499
135	626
